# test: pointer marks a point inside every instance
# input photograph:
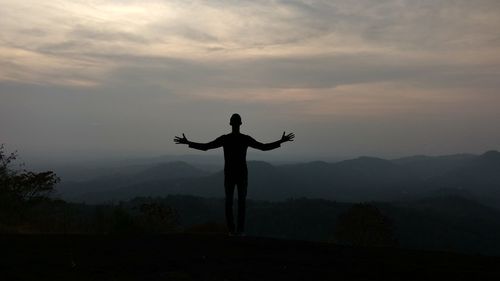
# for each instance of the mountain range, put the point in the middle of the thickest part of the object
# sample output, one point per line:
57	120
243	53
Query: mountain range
361	179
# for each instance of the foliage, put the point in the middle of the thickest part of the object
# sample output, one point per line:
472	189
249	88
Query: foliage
21	186
157	217
364	225
26	207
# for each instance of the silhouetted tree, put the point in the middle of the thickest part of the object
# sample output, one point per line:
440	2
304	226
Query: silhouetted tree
157	217
20	192
19	185
364	225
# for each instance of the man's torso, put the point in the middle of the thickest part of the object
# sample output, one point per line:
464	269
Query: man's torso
235	147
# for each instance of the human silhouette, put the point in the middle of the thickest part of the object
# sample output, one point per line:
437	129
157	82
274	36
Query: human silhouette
235	146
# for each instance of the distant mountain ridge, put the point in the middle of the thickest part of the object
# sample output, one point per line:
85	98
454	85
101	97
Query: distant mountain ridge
359	179
480	176
159	172
427	167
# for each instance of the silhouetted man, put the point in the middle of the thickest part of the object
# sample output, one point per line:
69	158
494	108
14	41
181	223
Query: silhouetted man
235	146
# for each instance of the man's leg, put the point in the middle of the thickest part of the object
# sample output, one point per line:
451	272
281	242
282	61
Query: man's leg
242	197
229	189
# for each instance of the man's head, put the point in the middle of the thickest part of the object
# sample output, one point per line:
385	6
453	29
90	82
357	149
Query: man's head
235	120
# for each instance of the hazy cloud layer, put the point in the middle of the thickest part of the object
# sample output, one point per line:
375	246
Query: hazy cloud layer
128	75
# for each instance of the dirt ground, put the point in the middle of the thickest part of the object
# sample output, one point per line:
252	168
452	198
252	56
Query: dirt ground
217	257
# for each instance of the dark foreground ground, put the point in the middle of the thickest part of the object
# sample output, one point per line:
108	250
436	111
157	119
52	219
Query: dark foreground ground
216	257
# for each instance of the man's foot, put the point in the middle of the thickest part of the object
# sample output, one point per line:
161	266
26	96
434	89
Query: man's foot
232	233
240	234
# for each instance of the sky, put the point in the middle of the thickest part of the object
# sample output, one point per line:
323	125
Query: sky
121	78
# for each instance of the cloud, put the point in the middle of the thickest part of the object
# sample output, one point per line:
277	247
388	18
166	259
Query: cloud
227	30
306	60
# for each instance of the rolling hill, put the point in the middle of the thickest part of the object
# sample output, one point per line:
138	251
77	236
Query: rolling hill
360	179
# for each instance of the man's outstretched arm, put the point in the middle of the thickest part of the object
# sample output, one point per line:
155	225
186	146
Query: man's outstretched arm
200	146
272	145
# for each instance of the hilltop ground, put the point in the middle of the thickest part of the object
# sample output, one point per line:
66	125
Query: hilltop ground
217	257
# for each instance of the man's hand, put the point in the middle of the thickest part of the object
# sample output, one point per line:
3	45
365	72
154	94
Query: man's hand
288	137
179	140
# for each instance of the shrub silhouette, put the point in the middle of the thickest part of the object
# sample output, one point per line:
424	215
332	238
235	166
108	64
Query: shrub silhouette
21	185
364	225
156	217
20	191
